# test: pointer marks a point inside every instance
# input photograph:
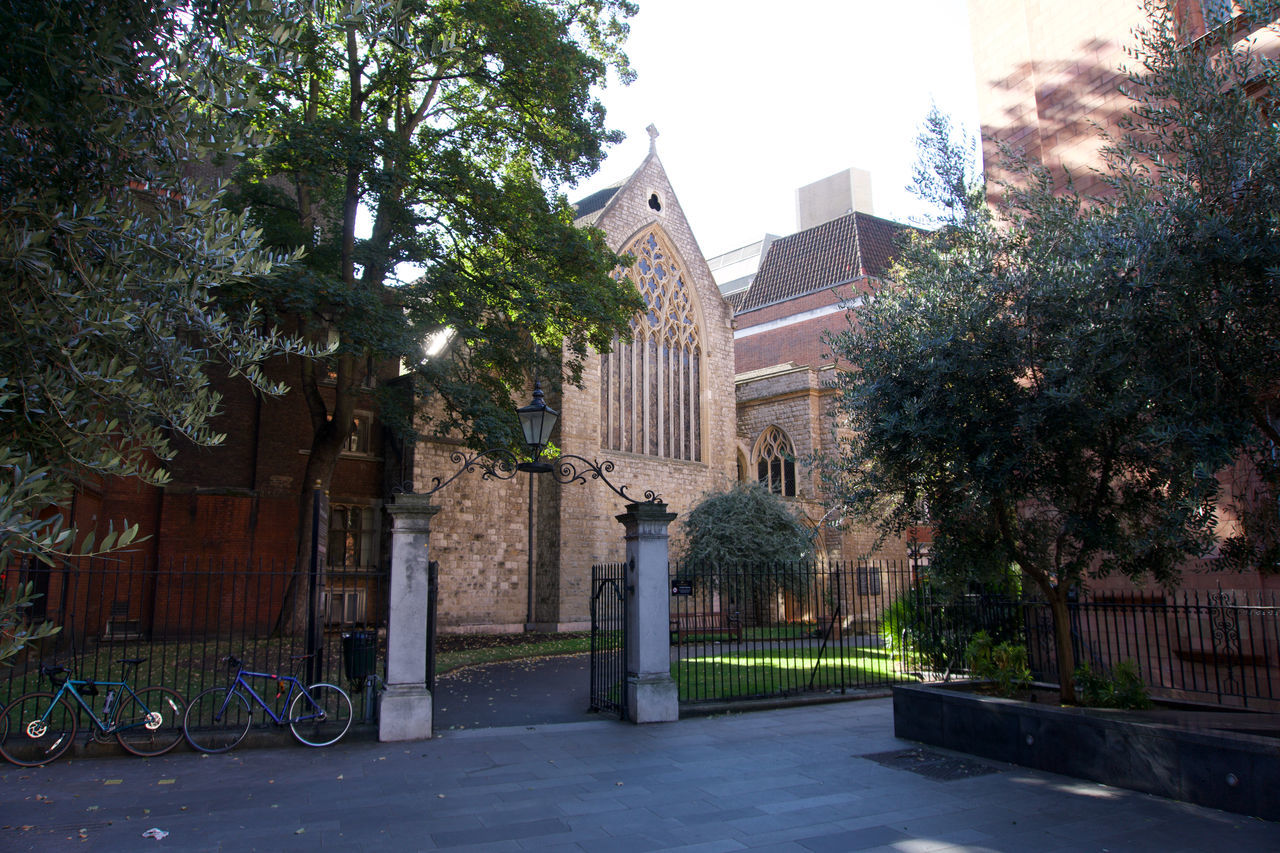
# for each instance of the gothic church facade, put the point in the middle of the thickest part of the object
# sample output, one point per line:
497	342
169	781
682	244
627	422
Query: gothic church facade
660	407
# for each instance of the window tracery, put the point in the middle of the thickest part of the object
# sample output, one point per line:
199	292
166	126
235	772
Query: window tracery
651	387
776	462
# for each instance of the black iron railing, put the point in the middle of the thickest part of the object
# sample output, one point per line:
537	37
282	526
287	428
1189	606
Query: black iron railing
1220	646
790	629
184	617
609	638
784	629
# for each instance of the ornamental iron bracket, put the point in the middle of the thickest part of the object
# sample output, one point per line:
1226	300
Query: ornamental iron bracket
502	464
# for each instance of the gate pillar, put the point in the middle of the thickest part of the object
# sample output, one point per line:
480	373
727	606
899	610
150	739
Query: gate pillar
405	710
652	694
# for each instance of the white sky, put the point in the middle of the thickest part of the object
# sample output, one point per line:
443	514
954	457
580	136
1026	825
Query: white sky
755	99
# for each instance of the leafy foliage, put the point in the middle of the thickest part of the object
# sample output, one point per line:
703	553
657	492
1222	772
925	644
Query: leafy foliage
1195	178
931	631
743	526
16	631
447	122
111	254
1061	385
748	543
1005	664
1122	688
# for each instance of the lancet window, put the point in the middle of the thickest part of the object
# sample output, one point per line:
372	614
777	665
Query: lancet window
776	462
651	387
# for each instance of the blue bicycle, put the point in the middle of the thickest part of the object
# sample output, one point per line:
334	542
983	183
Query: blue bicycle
219	718
38	727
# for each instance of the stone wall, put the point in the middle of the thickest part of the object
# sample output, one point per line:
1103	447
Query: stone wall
480	535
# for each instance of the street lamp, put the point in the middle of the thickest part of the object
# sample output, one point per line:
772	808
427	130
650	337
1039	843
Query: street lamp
537	420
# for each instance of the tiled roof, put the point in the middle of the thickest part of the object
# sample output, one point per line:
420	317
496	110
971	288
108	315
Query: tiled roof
586	210
855	245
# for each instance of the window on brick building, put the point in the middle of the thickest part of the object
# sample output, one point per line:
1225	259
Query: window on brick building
868	579
353	538
343	606
776	462
651	387
361	438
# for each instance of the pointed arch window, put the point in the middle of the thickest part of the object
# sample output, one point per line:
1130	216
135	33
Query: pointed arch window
776	462
651	387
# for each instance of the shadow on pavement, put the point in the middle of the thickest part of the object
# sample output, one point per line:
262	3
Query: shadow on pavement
535	691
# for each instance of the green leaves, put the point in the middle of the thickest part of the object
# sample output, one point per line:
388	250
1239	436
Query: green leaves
16	630
112	254
447	123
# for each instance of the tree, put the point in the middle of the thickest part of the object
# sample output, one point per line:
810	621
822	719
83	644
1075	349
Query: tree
748	542
1194	177
1002	382
448	122
1061	387
110	254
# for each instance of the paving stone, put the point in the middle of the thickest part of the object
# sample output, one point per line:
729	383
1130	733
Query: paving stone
785	780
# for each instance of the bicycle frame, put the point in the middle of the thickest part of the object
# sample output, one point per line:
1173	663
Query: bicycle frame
69	686
295	686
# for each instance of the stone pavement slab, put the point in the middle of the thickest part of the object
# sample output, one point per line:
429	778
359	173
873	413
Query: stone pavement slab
783	780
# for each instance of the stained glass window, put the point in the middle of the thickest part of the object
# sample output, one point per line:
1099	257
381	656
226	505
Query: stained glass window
650	388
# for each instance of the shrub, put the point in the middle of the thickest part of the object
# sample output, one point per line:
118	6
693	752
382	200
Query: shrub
1005	663
1122	688
932	631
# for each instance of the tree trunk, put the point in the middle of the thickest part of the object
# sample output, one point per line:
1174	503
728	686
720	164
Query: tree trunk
1064	648
326	445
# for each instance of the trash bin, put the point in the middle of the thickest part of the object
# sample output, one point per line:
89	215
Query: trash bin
359	655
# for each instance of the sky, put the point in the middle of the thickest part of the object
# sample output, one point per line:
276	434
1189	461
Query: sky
753	100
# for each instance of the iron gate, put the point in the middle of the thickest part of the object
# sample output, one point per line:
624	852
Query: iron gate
609	638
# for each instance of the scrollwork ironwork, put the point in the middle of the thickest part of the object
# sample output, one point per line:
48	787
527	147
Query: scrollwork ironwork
502	464
493	464
567	471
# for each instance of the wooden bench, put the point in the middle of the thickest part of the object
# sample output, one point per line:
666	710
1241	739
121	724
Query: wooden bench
686	624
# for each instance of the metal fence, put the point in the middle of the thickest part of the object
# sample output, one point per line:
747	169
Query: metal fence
784	629
609	638
791	629
1221	646
186	617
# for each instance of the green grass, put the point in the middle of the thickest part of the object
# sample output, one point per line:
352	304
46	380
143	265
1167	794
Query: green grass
755	673
457	651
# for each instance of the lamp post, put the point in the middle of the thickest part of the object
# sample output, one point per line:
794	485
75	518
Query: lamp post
537	420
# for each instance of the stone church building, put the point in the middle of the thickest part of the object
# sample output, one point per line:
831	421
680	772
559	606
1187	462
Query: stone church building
697	400
709	391
660	407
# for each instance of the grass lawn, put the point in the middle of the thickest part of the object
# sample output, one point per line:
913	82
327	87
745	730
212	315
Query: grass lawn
459	650
771	673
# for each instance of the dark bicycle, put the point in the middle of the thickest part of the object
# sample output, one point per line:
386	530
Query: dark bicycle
38	727
219	718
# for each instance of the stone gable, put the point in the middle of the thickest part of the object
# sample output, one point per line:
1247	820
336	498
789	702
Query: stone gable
480	535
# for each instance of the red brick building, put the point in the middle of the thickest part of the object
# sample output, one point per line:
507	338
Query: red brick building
1049	81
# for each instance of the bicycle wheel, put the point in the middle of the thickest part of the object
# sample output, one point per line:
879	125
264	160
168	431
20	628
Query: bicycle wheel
36	730
216	721
322	717
149	722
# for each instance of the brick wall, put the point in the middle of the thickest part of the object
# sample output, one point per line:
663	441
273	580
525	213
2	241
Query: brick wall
1046	72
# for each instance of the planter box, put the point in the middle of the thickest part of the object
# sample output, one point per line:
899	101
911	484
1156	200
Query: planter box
1233	771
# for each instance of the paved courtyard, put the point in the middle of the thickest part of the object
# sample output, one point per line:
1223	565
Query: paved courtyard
797	779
